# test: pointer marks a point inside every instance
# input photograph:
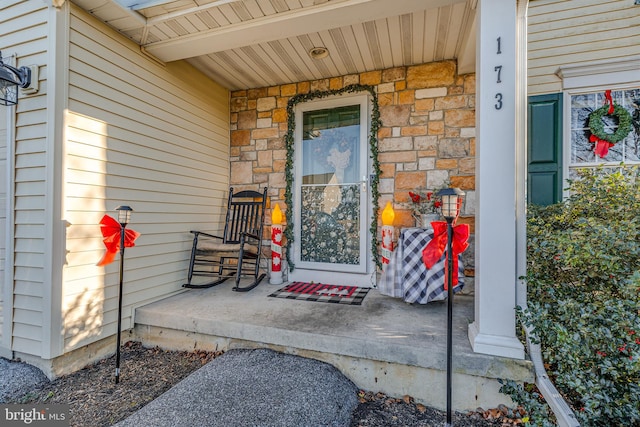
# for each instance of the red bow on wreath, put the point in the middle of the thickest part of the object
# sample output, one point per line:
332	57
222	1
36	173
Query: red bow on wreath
432	253
110	229
602	146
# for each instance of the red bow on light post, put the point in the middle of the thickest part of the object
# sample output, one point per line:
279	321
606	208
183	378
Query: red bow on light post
434	250
110	229
117	237
454	238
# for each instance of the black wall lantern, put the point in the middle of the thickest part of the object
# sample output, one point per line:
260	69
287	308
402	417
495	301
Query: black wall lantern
10	79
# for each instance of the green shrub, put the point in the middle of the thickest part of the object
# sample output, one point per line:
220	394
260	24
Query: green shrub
527	396
583	291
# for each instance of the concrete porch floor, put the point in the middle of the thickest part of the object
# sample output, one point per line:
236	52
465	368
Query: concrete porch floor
383	345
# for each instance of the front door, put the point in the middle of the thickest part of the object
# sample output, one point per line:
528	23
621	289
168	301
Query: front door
331	192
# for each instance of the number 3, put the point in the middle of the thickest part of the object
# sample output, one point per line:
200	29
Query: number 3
498	103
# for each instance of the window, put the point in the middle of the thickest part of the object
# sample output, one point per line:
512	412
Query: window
584	85
627	150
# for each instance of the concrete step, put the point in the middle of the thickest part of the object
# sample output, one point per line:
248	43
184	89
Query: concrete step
383	345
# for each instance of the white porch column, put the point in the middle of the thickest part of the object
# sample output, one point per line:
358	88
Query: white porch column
493	331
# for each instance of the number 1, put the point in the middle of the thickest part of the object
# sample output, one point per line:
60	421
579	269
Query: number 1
499	47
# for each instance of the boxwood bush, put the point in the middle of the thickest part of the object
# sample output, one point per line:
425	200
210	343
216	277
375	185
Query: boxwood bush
583	291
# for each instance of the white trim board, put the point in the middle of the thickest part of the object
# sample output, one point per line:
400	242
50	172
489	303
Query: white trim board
600	73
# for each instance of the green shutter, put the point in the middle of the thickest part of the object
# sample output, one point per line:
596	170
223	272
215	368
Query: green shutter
544	151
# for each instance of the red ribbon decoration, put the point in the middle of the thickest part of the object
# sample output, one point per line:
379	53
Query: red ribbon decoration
608	100
602	147
110	229
434	250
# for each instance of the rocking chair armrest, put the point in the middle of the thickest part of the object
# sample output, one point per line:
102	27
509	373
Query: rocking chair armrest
198	233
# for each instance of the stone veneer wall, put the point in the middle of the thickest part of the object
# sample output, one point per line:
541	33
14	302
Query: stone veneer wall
427	135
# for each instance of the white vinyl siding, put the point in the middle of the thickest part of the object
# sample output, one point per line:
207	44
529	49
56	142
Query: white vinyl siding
24	33
138	133
574	31
5	341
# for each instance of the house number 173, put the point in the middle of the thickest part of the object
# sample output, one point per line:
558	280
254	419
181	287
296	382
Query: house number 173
498	71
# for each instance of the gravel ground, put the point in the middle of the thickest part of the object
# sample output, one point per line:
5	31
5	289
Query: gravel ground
95	400
16	378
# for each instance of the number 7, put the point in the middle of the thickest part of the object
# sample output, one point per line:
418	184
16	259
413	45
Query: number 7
498	68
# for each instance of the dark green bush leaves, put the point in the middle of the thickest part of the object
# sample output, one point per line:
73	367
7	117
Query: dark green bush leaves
583	290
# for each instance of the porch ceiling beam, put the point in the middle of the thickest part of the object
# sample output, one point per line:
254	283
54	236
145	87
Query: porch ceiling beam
334	14
177	14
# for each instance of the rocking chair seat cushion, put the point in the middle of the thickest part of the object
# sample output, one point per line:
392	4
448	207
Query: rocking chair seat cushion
221	248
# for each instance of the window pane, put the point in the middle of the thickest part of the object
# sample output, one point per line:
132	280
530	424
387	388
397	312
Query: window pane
616	153
632	148
581	148
330	144
581	106
631	101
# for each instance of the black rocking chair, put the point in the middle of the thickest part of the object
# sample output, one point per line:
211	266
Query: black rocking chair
238	251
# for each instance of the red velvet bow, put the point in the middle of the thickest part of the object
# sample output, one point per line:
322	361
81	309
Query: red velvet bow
602	147
110	229
432	253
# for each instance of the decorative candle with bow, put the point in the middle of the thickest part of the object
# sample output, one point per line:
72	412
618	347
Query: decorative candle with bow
276	246
388	216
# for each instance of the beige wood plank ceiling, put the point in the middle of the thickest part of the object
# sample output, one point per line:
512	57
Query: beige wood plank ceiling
245	44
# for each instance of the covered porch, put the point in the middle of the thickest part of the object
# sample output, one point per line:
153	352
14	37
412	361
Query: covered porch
451	82
383	345
179	100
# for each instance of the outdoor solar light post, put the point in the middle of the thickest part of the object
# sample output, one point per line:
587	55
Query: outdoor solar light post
451	203
124	216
